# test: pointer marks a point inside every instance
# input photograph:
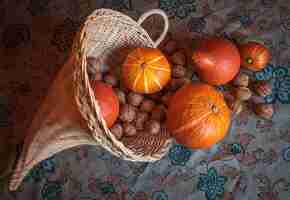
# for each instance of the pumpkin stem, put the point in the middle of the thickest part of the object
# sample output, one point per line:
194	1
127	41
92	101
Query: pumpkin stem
143	65
214	108
249	60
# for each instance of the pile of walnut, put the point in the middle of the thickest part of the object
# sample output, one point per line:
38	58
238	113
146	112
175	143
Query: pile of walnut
244	90
141	113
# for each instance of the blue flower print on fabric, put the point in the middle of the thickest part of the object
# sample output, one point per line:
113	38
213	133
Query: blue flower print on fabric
236	148
211	184
159	195
41	170
245	20
286	154
51	190
48	165
280	80
178	8
179	155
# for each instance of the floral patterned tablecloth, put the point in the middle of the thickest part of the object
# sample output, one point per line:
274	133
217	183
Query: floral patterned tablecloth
253	162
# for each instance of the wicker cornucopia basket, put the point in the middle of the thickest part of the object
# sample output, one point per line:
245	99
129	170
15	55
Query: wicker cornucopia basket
108	35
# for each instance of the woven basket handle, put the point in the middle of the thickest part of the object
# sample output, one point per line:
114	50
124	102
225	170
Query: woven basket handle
166	23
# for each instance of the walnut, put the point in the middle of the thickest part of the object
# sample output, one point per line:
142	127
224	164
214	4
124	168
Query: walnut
178	71
178	58
141	118
147	105
236	106
153	126
242	80
242	93
112	80
262	88
121	95
135	99
117	130
158	113
127	113
129	130
264	110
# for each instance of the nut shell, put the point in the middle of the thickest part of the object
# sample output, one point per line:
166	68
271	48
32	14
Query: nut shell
129	130
117	130
242	80
135	99
265	111
147	105
127	113
178	58
242	93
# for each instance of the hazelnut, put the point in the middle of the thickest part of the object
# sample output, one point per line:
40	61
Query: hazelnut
178	58
264	110
121	95
117	130
158	113
170	46
135	99
166	98
178	71
112	80
242	80
242	93
141	118
177	83
147	105
127	113
262	88
236	106
153	126
257	99
129	130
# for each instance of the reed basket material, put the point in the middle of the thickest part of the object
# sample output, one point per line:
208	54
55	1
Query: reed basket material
109	35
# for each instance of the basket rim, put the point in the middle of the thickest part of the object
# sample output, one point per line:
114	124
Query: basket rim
123	151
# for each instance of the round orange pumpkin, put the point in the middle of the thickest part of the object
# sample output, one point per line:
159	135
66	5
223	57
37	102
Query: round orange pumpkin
216	60
146	70
107	100
198	116
254	56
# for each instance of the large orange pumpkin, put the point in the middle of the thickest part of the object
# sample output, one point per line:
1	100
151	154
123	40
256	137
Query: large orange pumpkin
107	100
198	116
254	56
217	60
146	70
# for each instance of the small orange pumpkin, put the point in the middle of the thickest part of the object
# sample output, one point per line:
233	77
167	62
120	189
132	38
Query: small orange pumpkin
254	56
108	101
198	116
146	70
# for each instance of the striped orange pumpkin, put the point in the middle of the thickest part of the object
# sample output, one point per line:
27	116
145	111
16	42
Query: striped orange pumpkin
146	70
198	116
